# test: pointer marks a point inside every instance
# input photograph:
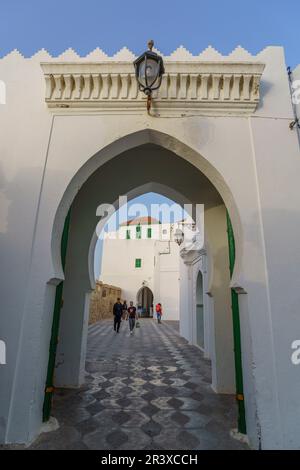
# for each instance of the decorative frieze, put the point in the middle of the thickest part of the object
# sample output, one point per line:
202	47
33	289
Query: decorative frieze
188	87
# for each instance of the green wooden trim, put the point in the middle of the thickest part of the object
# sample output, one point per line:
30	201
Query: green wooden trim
55	326
149	232
236	335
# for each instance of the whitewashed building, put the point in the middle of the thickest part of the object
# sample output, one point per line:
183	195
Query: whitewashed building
220	133
143	259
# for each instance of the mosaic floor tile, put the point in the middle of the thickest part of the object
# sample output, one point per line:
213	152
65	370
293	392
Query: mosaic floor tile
148	391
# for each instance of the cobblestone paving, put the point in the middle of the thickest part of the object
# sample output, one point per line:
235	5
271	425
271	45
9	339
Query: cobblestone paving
147	391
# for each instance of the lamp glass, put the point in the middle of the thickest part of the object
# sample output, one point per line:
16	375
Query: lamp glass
148	72
179	236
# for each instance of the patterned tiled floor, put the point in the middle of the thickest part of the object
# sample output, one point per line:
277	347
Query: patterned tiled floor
147	391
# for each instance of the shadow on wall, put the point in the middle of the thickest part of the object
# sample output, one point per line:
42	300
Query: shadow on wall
265	88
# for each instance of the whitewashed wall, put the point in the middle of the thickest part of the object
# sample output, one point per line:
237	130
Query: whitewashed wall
159	270
46	156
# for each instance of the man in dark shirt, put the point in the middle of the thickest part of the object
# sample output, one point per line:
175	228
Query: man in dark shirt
131	312
118	312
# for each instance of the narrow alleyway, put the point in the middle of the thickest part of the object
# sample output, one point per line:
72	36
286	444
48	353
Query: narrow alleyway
149	391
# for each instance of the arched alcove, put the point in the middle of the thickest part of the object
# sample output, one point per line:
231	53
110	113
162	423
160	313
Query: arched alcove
144	301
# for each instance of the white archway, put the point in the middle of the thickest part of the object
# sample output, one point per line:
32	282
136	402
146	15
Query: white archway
132	141
238	144
50	226
80	264
151	187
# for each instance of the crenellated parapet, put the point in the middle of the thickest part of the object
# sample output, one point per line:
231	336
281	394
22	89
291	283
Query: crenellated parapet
208	83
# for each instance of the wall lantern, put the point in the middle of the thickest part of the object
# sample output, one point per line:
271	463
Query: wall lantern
178	236
149	69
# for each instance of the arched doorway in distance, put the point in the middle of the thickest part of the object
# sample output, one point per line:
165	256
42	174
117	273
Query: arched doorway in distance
144	301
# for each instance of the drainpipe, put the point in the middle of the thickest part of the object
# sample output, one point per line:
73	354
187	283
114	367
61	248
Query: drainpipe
236	336
296	122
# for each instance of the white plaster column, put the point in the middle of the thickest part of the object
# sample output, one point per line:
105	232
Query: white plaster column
223	376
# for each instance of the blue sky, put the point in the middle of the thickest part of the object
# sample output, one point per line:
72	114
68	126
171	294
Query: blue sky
29	25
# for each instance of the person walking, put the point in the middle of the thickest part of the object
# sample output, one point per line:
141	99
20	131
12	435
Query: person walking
118	312
132	315
158	309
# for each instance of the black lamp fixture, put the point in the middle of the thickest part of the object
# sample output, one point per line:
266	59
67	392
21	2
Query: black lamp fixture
179	236
149	69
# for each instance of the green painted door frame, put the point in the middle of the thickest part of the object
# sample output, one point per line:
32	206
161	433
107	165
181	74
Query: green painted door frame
236	335
49	389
